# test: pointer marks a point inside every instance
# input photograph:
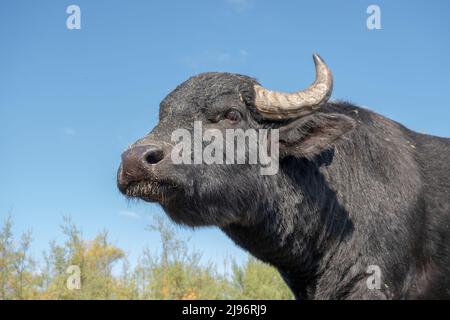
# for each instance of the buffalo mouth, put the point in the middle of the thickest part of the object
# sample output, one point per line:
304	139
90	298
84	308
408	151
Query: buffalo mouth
152	191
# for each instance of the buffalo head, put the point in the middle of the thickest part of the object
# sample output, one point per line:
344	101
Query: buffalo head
221	194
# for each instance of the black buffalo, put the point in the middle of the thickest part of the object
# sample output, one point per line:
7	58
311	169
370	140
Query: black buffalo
354	189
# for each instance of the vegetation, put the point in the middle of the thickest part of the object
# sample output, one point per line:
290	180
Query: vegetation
174	273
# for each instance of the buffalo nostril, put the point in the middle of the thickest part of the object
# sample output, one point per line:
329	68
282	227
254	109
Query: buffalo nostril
154	155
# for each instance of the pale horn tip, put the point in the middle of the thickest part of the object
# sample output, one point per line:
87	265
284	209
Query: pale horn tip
317	58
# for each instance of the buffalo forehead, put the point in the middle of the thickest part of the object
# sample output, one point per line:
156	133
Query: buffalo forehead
202	90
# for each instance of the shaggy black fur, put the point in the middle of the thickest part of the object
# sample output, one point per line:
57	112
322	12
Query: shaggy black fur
354	189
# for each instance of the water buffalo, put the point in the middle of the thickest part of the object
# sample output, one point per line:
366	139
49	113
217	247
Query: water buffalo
360	205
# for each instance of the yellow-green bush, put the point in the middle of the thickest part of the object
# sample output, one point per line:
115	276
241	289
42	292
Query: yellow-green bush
174	273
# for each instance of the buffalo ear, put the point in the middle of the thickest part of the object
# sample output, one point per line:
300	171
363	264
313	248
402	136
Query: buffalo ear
309	136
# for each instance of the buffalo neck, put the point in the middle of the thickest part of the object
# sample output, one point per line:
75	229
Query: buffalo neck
300	227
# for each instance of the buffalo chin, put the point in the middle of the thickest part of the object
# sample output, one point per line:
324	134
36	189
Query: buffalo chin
181	211
151	191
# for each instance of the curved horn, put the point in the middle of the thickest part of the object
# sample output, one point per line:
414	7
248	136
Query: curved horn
279	105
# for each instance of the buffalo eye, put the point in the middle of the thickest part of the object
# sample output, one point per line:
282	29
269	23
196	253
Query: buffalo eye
233	115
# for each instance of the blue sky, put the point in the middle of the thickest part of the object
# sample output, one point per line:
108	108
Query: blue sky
72	100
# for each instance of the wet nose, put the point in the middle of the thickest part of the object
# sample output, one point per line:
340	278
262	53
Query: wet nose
137	163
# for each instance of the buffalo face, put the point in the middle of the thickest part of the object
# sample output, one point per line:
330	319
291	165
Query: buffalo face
195	194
